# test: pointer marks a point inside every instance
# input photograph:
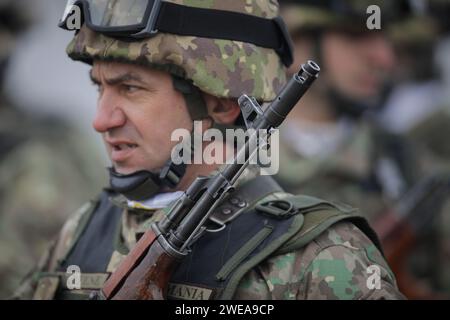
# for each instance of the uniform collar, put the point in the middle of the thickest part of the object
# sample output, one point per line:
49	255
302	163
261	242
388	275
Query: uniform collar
156	202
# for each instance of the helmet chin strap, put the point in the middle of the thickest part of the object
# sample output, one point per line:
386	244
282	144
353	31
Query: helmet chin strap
144	184
136	186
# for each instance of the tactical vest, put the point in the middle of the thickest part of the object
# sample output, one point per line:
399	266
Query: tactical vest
258	226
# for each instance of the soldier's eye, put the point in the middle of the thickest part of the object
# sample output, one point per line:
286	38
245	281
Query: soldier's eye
129	88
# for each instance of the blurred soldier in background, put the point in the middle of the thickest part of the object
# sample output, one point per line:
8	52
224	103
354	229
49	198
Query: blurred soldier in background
331	146
46	170
329	140
419	109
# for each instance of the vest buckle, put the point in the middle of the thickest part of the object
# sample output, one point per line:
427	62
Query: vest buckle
280	209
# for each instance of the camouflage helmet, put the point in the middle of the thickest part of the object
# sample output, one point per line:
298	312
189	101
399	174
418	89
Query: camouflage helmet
305	15
223	68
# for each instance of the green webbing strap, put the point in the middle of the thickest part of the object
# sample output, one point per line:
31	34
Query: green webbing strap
325	214
243	252
196	104
314	225
228	292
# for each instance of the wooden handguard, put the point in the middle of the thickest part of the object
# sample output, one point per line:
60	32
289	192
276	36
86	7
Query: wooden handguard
130	262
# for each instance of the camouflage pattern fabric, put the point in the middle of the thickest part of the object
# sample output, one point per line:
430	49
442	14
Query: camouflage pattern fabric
45	173
222	68
334	266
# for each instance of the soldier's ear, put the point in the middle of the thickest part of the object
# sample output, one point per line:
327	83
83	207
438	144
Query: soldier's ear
221	110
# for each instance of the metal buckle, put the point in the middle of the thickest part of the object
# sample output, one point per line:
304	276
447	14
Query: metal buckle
280	209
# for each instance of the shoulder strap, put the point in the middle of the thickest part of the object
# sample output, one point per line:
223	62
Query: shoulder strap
325	214
70	233
74	229
276	223
310	217
94	238
218	260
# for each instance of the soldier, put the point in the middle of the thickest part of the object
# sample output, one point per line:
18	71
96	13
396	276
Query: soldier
328	145
160	81
331	147
419	109
45	172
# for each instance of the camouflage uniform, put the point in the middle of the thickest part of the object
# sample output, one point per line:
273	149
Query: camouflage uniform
333	266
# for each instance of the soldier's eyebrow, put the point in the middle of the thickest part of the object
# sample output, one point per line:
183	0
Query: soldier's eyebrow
127	76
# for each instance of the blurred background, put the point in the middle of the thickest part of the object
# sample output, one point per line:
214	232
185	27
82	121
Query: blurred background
374	130
52	161
40	78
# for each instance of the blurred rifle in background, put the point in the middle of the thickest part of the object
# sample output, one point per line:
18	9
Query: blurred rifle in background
400	229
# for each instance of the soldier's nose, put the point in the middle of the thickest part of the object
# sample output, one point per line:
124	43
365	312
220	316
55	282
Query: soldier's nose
108	116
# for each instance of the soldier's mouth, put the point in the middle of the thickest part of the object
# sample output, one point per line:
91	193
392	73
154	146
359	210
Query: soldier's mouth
120	147
120	151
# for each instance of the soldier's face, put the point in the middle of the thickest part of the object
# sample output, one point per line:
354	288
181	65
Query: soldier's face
137	111
357	65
